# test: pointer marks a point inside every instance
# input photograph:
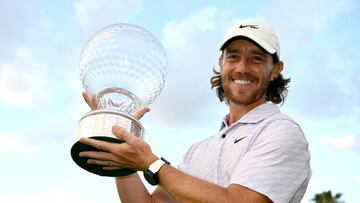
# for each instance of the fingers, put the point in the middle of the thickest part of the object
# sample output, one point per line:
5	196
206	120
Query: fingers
95	105
110	165
111	168
121	133
96	160
102	158
98	155
87	98
141	112
98	144
90	100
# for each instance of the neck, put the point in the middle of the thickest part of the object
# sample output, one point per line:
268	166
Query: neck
239	110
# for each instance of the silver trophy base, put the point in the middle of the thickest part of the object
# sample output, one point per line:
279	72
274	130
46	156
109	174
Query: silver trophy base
98	125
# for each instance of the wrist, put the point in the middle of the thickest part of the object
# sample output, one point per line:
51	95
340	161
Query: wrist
151	174
150	161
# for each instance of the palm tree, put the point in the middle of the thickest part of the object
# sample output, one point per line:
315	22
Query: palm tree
327	197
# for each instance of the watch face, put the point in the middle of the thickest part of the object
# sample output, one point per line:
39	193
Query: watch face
150	177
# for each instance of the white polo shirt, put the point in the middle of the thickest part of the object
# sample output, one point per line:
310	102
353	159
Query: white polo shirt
265	151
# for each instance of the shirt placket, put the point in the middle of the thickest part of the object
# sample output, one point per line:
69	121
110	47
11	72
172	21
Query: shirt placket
222	142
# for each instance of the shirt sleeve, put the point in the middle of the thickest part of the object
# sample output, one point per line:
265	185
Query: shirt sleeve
277	162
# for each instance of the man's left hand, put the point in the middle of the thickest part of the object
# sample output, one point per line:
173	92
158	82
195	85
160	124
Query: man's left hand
134	153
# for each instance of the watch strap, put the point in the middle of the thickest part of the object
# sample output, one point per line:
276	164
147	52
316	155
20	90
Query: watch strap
155	166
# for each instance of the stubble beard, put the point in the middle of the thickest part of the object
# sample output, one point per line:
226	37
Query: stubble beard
239	99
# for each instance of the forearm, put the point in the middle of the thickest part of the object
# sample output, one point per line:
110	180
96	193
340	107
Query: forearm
181	187
186	188
131	189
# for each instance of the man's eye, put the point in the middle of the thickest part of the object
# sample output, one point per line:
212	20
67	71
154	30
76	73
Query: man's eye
232	56
257	59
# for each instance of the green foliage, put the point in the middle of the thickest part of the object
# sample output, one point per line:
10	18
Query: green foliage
327	197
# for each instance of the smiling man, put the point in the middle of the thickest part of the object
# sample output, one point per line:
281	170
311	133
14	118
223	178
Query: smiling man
259	154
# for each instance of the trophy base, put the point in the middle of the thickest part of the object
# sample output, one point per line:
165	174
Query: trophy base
97	124
96	169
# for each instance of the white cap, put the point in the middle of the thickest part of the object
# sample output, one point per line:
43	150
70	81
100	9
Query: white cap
257	31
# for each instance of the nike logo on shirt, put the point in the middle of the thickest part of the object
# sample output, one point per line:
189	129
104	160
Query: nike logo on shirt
237	140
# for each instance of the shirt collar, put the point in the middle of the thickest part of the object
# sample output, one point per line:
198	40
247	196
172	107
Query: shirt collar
255	115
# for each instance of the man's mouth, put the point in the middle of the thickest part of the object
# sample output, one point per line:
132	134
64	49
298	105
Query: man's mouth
242	82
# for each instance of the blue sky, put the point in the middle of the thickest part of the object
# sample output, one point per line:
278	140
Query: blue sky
41	103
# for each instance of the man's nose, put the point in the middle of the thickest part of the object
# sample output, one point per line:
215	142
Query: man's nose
241	65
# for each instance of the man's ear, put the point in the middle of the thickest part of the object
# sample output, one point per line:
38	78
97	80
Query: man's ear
220	61
278	67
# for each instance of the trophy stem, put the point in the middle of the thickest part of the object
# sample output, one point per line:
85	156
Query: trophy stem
118	98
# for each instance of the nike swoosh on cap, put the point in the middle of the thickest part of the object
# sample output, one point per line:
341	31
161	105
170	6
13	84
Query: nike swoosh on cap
251	26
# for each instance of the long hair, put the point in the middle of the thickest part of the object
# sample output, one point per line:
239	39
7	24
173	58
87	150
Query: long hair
275	93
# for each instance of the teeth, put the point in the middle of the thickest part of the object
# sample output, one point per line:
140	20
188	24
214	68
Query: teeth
242	82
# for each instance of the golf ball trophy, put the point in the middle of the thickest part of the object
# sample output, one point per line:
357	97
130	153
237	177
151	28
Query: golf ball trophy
125	66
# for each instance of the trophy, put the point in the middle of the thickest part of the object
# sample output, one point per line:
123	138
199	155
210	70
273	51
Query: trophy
125	66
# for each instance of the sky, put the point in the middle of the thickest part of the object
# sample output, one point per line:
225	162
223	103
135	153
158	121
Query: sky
40	89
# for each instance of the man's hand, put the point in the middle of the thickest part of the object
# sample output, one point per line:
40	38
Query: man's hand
91	101
134	153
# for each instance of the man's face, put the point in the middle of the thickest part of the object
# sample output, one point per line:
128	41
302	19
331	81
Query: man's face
245	72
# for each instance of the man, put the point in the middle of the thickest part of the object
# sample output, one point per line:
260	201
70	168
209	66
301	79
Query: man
259	154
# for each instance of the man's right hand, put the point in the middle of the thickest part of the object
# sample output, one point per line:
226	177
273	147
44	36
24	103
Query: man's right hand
91	100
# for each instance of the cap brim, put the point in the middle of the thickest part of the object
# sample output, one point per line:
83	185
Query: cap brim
254	38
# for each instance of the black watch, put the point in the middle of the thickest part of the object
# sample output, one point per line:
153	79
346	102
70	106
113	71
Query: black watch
150	175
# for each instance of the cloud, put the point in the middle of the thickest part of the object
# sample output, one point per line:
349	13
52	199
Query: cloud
191	45
297	24
320	88
179	34
26	21
319	57
343	142
29	27
31	54
55	128
60	128
107	12
20	79
43	134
